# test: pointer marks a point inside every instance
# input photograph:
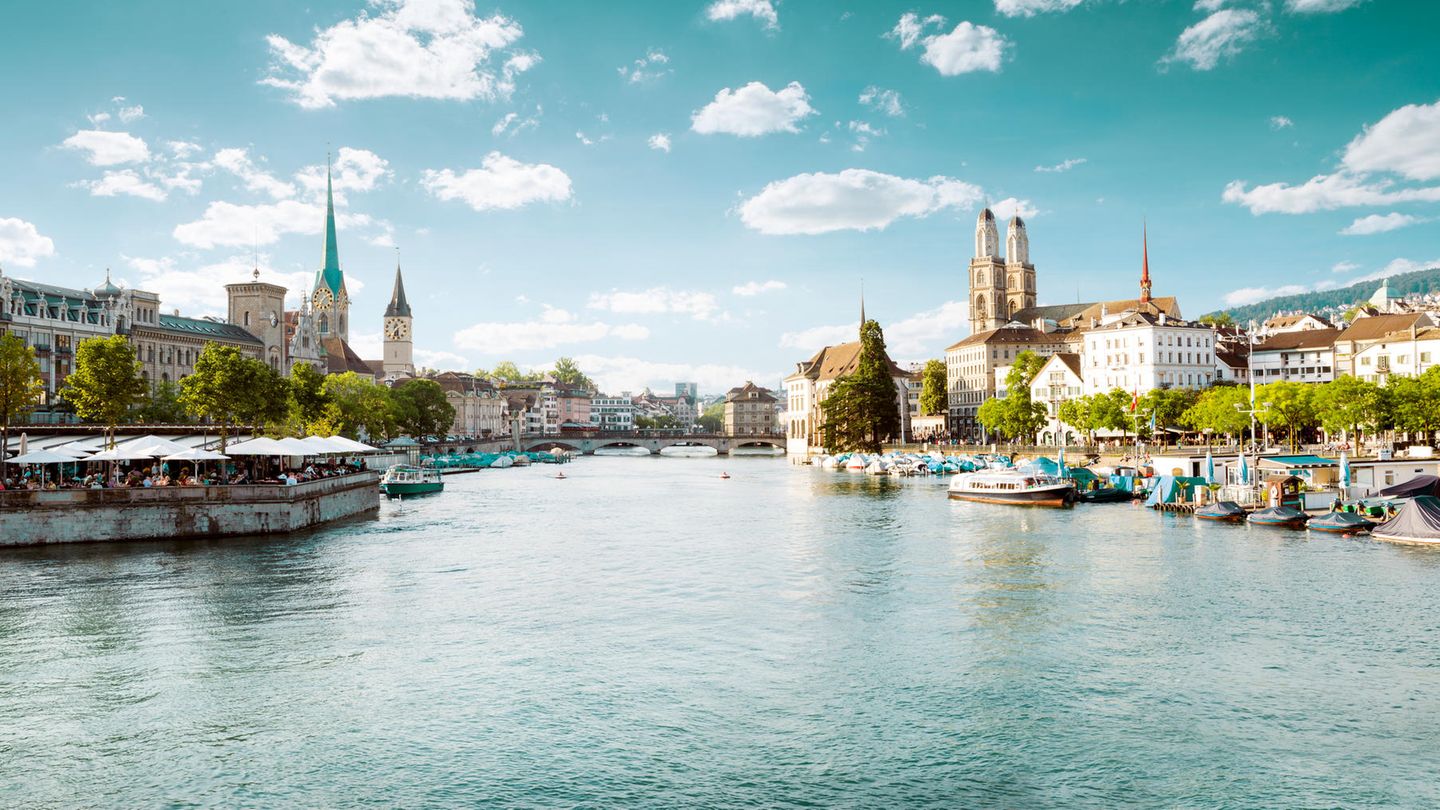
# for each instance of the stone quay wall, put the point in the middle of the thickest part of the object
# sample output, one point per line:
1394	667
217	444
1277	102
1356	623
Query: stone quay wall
96	515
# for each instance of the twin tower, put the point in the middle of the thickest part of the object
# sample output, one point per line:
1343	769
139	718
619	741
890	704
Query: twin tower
999	286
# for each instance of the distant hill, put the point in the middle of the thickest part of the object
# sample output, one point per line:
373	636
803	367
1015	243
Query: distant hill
1419	282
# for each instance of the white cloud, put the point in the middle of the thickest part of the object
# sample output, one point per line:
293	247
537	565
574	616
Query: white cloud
554	327
701	306
910	28
1010	207
885	101
201	290
21	243
1406	142
762	10
500	182
649	67
512	124
619	373
128	183
238	162
439	359
923	334
854	199
226	224
753	288
660	141
132	113
1379	223
1323	192
351	170
1251	295
1062	166
818	337
106	148
1029	8
1398	266
182	149
1344	267
1221	35
863	132
753	110
1280	122
1319	6
966	49
98	118
434	49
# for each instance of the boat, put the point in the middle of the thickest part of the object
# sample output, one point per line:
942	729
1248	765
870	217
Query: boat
502	463
1418	523
1013	488
855	463
1226	511
1282	516
1104	495
521	460
405	479
1340	523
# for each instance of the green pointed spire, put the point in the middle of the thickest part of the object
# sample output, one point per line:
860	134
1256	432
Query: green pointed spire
330	274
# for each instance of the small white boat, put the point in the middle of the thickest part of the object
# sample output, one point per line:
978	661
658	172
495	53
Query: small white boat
521	461
502	463
1014	488
877	467
829	462
856	463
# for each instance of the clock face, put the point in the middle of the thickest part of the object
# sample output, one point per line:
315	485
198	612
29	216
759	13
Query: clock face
322	298
395	330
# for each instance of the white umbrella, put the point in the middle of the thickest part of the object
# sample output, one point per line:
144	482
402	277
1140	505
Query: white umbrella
324	445
83	445
67	450
161	447
295	447
196	454
123	454
350	445
259	446
41	457
24	443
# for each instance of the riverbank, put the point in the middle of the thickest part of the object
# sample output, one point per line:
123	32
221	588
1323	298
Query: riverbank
39	517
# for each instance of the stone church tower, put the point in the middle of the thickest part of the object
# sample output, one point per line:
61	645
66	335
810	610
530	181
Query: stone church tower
259	308
989	304
399	358
329	300
1020	273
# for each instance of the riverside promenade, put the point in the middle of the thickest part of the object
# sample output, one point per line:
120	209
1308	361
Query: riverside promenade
39	517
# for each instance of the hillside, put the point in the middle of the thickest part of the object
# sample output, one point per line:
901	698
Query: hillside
1419	282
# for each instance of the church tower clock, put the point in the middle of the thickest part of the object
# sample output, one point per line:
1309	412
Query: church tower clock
399	358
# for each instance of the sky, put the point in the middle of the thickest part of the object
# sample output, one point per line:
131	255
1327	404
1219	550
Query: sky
696	190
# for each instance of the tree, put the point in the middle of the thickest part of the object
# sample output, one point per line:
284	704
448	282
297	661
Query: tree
1076	413
567	373
1348	404
1216	411
106	382
934	397
1016	416
861	409
357	404
507	373
1415	402
163	407
307	395
712	419
1168	405
1111	411
1217	319
1290	404
21	387
231	389
421	408
662	421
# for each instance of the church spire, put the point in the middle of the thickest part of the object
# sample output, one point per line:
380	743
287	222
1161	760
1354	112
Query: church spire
862	304
399	307
330	273
1145	265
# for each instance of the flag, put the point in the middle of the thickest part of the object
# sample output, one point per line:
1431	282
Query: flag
1135	400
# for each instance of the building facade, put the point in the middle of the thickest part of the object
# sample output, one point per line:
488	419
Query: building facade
750	409
807	387
612	413
1141	352
399	342
1299	355
1058	381
1000	286
970	367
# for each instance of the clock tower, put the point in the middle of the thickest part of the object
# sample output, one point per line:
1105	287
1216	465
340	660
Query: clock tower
399	340
329	299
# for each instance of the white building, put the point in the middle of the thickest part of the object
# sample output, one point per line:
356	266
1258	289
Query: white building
1405	354
807	387
1302	355
971	366
1142	351
1059	380
612	413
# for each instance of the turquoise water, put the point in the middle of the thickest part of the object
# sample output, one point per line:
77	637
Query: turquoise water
647	634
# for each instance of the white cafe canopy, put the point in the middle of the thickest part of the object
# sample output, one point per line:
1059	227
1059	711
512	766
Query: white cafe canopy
259	446
350	445
127	453
41	457
296	447
196	454
320	444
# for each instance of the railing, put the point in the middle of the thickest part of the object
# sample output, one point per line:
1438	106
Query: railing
230	493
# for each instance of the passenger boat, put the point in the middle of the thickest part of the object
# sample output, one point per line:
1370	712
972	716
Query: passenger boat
1340	523
405	479
1013	488
1282	516
1226	511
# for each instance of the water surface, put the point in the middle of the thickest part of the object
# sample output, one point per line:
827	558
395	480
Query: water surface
645	633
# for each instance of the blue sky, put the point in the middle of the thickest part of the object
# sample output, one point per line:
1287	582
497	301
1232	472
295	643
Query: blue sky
694	190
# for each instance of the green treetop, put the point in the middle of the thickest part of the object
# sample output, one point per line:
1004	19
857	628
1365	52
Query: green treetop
421	408
21	387
861	409
106	382
933	394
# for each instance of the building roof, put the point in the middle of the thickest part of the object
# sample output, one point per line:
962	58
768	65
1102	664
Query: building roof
744	392
1293	319
204	328
329	273
1009	335
1232	359
1071	361
1302	339
340	358
461	382
399	307
1376	327
1146	317
1055	312
833	362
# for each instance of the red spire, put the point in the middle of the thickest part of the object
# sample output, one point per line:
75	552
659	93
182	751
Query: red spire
1145	266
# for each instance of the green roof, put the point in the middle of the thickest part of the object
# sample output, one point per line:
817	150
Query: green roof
208	328
329	273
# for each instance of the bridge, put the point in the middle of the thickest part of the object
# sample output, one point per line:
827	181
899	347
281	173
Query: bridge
587	442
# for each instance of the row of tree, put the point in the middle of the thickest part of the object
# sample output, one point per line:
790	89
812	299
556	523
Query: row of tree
566	372
227	389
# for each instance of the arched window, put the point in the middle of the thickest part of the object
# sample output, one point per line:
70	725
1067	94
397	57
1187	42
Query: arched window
980	309
247	319
1014	307
324	324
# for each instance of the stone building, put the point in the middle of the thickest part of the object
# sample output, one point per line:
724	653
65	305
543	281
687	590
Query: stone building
750	409
480	410
807	387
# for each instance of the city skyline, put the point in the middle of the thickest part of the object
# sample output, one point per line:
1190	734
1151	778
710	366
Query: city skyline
695	192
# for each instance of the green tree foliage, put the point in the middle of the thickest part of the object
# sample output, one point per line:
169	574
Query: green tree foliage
861	409
934	397
1290	405
1168	405
357	403
712	419
1415	402
567	373
421	408
1349	404
307	396
163	407
507	373
21	386
231	389
1215	410
106	382
1076	413
1217	319
1111	411
1016	416
662	421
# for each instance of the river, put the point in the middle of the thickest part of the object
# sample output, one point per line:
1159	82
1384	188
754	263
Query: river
645	633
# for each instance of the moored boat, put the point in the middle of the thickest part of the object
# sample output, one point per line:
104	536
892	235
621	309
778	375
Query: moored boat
1417	523
1340	523
1012	488
405	479
1282	516
1104	495
1226	511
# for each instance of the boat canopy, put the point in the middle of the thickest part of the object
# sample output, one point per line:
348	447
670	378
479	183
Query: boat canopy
1419	519
1167	488
1419	485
